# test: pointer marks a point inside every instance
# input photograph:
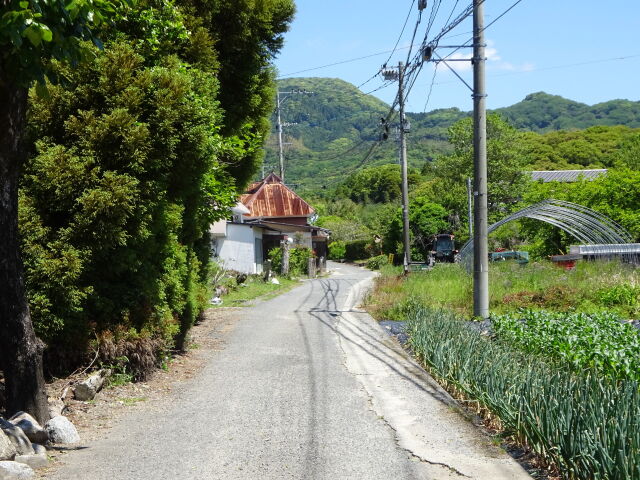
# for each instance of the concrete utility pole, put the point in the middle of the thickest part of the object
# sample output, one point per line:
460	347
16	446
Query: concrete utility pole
279	128
392	74
279	101
480	240
405	181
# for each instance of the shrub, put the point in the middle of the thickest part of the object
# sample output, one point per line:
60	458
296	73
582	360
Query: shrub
619	295
375	263
337	250
298	260
356	250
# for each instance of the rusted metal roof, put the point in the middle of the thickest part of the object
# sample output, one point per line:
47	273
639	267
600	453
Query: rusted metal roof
272	198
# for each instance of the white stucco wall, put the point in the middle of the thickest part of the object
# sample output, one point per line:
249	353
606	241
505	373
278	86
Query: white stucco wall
237	249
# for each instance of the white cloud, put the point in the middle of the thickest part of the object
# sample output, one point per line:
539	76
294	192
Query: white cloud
494	61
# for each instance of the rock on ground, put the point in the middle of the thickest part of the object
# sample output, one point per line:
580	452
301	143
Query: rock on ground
7	450
30	426
15	471
20	441
56	407
34	461
87	389
61	430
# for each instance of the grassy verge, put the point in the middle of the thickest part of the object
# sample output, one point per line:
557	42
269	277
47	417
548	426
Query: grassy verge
593	287
584	424
254	288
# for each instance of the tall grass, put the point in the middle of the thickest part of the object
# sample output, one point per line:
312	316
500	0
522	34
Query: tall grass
592	287
585	425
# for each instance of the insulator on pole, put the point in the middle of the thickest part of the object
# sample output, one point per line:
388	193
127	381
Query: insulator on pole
422	4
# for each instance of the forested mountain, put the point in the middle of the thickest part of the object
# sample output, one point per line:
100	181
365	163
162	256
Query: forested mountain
541	112
336	126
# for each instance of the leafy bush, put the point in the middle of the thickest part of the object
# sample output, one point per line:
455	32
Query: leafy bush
600	342
116	198
298	260
356	250
375	263
584	424
337	250
623	294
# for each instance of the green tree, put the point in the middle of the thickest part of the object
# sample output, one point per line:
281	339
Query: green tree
376	184
426	219
506	180
32	33
247	35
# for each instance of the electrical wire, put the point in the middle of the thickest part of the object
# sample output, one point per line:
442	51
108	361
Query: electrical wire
469	42
413	37
281	77
433	80
452	10
401	32
501	15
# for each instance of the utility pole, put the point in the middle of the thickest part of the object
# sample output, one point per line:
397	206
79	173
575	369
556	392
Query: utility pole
480	240
392	74
279	128
280	99
405	181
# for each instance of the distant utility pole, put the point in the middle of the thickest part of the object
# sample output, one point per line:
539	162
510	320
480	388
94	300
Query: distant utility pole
480	240
281	97
392	74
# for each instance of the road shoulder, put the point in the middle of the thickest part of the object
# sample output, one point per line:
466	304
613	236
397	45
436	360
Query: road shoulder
427	422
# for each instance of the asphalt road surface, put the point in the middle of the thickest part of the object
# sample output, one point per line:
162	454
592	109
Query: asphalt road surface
308	387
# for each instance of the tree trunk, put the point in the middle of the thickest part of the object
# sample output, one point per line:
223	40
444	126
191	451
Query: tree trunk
20	350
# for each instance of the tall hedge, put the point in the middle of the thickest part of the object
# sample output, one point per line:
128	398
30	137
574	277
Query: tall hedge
128	169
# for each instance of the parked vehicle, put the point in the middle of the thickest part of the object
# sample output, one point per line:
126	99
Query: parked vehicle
444	248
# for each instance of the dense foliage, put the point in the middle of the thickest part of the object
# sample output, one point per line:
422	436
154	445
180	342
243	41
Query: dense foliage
616	195
298	260
541	112
602	343
135	154
336	126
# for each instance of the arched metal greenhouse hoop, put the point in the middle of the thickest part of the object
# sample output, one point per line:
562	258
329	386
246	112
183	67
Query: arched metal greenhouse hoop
582	223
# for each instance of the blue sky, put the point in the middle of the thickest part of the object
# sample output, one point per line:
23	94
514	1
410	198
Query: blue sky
562	47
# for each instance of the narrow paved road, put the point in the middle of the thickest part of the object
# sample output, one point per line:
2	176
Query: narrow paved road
308	387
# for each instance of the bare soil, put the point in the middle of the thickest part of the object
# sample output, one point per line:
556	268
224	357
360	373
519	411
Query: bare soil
94	418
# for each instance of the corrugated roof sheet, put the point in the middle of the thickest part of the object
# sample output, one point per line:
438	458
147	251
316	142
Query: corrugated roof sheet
565	175
271	198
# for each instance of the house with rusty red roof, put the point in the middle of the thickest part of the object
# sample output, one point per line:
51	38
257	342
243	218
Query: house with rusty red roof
267	214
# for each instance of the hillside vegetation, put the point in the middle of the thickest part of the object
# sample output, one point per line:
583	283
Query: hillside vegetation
337	124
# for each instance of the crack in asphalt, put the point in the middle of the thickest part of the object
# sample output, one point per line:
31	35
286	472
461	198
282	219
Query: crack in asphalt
373	409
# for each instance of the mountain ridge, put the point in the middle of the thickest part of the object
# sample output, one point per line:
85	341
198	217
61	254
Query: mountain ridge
331	131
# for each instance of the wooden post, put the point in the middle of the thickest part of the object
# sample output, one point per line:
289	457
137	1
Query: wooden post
285	256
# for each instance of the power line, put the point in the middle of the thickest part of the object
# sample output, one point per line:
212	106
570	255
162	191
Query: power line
501	15
554	67
413	37
469	42
433	79
281	77
401	32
